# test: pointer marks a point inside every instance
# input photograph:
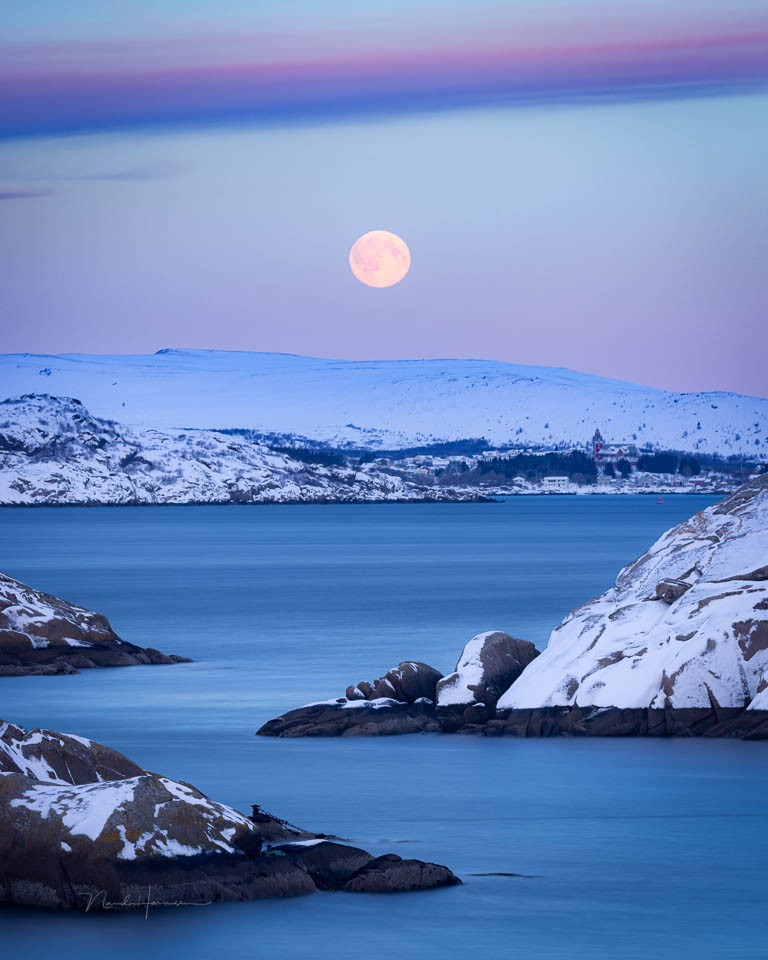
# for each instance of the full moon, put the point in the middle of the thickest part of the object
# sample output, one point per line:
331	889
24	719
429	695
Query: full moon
379	258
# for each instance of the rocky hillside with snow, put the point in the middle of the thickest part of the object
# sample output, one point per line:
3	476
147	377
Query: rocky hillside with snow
82	826
685	626
389	404
679	646
53	451
42	635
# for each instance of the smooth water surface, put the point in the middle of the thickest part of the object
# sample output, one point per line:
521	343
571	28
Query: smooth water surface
632	849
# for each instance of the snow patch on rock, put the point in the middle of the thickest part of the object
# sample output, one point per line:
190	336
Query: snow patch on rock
455	689
84	809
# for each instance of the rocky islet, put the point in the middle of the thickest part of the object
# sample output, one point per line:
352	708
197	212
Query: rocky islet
83	827
41	635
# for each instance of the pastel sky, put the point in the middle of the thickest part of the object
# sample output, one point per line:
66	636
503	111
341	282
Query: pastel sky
580	185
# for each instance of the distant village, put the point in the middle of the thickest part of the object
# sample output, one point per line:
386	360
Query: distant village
601	466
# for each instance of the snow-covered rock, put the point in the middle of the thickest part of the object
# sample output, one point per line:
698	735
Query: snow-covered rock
52	450
46	756
389	403
400	701
414	697
685	626
83	826
489	663
41	634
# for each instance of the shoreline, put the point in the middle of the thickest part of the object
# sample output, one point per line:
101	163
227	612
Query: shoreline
254	503
483	498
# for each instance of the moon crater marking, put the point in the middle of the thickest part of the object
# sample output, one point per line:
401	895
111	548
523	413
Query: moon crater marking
379	258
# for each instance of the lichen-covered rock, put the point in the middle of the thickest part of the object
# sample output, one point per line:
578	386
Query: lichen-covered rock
43	635
685	626
489	663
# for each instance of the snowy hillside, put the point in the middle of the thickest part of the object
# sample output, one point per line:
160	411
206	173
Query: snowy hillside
53	451
686	624
389	403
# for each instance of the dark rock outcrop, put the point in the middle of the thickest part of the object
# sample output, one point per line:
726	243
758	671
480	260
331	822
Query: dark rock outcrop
670	589
328	863
325	720
466	699
629	722
392	874
81	826
354	718
43	635
334	866
408	682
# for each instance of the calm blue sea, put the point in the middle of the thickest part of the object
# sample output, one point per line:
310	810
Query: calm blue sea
634	849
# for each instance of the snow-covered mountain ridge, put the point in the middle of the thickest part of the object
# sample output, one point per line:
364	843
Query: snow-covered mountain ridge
52	450
389	403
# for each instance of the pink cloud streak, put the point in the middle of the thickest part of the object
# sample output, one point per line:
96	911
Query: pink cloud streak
67	89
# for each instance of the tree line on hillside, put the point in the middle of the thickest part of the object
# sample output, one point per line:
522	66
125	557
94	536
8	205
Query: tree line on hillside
326	458
669	463
684	465
447	448
576	465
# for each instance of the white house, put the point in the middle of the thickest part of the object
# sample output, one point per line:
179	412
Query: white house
555	483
